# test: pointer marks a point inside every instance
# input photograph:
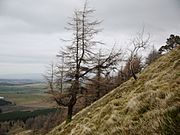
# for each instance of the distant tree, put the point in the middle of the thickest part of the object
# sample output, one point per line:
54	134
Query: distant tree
120	77
29	123
153	55
60	73
171	43
139	42
50	76
132	67
104	64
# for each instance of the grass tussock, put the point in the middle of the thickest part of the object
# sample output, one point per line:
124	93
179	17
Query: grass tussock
150	105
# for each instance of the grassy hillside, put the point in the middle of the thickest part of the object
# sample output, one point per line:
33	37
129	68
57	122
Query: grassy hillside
150	105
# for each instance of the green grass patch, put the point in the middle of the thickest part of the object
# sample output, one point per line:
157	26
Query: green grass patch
24	94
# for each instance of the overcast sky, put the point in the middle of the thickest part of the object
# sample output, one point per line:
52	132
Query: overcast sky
30	30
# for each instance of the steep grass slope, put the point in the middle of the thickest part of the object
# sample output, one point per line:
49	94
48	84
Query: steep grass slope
150	105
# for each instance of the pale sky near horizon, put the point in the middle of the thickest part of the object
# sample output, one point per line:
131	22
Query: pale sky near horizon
30	30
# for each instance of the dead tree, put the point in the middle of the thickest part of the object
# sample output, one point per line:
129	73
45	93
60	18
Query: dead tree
61	69
152	56
71	54
50	76
77	58
139	42
137	66
104	65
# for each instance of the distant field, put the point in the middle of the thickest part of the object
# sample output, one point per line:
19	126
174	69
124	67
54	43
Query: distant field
24	115
27	95
20	89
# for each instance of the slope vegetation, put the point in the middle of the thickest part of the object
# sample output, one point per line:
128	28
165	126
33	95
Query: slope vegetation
150	105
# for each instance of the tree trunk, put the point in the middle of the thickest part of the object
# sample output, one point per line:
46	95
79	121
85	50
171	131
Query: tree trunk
71	104
132	71
98	81
134	75
97	94
70	113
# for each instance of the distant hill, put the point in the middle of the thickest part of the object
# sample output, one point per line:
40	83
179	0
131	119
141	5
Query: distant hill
15	79
33	76
150	105
18	81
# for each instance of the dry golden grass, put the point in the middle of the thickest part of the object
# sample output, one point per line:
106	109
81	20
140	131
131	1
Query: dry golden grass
149	106
27	132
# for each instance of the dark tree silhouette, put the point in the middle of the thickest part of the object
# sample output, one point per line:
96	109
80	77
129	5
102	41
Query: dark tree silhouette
171	43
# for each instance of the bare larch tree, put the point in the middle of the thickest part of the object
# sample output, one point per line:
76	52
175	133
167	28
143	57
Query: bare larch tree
139	42
79	59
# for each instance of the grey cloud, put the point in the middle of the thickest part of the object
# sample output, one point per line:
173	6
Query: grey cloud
39	15
51	16
24	59
30	29
130	13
